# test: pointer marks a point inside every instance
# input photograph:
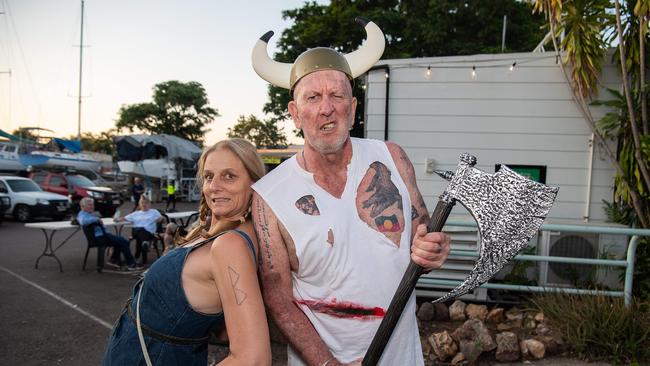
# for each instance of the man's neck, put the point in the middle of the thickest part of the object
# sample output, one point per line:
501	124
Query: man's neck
319	163
329	170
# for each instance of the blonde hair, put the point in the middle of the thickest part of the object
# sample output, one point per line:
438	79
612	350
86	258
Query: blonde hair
246	152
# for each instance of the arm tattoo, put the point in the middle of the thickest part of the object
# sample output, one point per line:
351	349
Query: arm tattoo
240	295
262	228
410	174
386	194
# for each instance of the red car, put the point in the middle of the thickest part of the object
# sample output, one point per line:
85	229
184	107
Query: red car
77	186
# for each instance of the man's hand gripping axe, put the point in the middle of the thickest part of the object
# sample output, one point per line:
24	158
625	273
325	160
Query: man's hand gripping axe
508	208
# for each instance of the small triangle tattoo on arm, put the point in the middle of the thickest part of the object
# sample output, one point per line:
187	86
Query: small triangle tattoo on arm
240	295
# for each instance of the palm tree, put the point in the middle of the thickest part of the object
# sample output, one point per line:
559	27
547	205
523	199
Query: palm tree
589	28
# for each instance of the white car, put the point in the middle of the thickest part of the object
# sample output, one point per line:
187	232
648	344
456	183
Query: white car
28	200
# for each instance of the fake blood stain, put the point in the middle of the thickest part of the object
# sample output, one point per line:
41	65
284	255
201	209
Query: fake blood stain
343	309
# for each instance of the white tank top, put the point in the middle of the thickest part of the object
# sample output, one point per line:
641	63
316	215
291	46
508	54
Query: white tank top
348	271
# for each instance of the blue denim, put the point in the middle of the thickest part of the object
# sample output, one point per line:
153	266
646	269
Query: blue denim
165	309
121	245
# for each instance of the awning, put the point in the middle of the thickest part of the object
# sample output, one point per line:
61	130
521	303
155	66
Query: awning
139	147
15	138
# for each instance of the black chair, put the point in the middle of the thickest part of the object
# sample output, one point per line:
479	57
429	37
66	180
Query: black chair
95	242
156	241
193	217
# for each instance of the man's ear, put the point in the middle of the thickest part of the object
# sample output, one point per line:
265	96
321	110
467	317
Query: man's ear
353	112
293	111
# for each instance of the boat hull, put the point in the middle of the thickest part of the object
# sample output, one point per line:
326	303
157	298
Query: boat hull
155	168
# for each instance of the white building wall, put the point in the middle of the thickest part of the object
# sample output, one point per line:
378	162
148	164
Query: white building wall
525	116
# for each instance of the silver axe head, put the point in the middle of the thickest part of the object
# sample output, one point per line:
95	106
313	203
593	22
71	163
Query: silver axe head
508	208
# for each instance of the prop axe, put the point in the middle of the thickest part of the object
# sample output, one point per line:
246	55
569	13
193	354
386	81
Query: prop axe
508	208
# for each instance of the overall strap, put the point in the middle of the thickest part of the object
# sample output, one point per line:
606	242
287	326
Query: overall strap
240	232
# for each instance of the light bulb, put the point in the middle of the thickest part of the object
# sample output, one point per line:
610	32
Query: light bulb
473	72
428	70
512	67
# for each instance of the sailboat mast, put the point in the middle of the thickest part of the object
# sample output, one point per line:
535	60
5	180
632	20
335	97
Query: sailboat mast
81	52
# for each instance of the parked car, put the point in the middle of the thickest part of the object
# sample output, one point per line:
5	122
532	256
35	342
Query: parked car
116	181
28	200
5	204
77	186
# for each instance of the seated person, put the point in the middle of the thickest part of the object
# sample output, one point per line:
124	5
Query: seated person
173	231
145	223
87	216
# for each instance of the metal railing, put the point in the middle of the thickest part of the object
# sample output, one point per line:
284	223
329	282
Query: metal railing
627	263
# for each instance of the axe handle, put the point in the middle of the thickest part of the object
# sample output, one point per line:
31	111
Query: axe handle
404	290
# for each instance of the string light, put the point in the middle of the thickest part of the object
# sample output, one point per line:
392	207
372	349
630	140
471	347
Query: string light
482	64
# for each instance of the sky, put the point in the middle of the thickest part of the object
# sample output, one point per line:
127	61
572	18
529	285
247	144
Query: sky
129	46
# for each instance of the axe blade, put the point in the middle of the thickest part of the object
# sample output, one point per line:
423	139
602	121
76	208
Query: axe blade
508	208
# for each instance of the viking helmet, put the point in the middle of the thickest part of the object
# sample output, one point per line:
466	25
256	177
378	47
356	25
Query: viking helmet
353	64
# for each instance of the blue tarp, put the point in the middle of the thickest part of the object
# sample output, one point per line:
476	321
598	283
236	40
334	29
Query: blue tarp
70	145
15	138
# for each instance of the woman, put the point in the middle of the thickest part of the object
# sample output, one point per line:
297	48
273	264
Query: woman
145	222
210	278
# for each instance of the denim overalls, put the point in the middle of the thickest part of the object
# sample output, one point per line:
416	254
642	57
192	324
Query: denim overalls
175	334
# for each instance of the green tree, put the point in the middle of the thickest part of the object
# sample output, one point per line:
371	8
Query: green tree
25	133
264	134
589	28
180	109
101	142
413	28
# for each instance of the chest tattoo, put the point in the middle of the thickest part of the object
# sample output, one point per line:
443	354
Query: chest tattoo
307	205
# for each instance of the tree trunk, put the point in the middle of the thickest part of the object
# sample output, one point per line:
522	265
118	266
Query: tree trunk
644	103
580	101
628	98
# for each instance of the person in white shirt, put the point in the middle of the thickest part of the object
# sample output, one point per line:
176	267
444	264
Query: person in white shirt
339	221
145	224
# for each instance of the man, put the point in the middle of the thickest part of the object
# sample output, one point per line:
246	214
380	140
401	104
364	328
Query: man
137	190
145	226
88	216
338	222
171	196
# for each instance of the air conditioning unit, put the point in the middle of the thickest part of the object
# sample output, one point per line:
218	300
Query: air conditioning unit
581	245
455	268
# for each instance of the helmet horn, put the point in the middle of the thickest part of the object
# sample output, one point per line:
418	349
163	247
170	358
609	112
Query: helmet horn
359	61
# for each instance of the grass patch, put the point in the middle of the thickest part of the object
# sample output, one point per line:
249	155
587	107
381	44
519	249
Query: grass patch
599	327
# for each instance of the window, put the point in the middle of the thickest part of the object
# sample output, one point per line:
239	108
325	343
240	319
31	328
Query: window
20	185
78	180
3	187
56	181
39	178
